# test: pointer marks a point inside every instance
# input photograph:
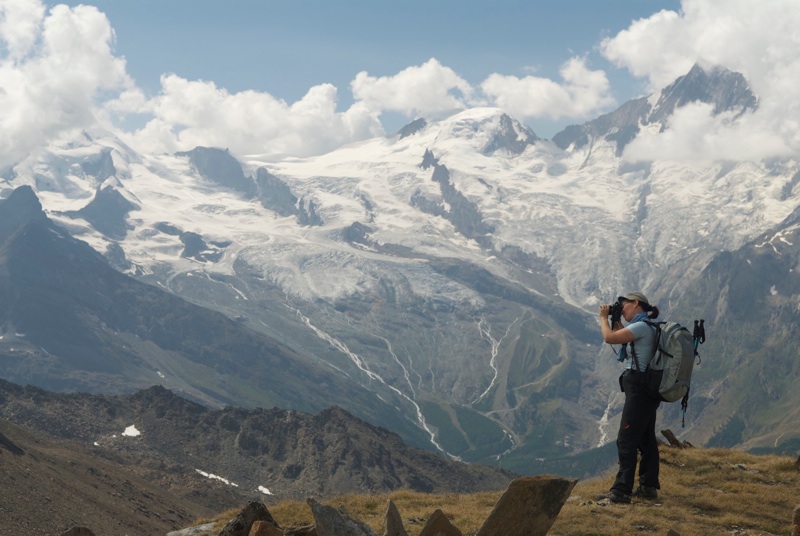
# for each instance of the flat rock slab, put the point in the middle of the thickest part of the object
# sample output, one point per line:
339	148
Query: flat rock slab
529	506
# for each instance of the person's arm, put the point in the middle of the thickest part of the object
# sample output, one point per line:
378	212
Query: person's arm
618	335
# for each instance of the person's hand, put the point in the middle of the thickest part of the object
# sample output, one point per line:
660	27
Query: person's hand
605	310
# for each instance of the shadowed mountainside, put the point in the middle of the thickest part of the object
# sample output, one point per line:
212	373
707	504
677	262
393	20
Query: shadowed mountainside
259	452
50	485
69	321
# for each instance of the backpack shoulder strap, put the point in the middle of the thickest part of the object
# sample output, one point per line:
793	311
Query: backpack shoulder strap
656	326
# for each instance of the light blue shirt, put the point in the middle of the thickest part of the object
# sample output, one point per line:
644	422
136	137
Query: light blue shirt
645	343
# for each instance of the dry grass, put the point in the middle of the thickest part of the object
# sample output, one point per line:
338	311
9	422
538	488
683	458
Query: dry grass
704	491
464	511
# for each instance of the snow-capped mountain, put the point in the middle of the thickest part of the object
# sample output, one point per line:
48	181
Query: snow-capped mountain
726	91
453	269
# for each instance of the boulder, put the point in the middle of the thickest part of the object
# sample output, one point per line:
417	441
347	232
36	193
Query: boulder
393	524
333	522
264	528
240	525
796	527
439	525
529	506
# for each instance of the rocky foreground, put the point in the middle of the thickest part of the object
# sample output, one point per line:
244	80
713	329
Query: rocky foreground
704	491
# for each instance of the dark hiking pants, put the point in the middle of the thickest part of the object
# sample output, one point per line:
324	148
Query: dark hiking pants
637	434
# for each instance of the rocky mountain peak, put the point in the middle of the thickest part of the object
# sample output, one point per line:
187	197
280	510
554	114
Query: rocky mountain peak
220	167
412	128
19	209
512	136
725	89
490	130
108	211
101	166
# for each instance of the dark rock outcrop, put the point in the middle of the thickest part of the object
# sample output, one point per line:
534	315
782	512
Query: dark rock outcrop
462	213
393	524
107	212
529	507
241	524
220	167
412	128
20	209
100	166
195	247
439	525
332	522
9	445
275	194
264	528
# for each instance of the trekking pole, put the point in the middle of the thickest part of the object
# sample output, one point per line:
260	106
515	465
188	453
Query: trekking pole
699	336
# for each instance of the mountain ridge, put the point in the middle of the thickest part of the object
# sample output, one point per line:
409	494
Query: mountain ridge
276	453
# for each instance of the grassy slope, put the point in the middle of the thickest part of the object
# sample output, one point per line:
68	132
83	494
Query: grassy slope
704	491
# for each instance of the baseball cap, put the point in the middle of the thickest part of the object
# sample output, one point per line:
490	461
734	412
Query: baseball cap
635	296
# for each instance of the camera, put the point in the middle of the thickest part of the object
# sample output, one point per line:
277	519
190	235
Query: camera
615	312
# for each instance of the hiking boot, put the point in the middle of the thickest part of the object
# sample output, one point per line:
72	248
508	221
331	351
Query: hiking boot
615	497
646	492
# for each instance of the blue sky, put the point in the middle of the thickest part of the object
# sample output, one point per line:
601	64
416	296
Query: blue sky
286	47
301	77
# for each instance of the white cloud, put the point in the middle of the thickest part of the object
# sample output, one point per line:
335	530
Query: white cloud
754	38
758	39
695	134
427	88
52	67
19	25
191	113
58	74
583	92
657	48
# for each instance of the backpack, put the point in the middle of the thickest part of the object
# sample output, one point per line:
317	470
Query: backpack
668	376
674	360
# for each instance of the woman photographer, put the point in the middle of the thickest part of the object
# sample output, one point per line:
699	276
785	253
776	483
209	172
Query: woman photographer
637	428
